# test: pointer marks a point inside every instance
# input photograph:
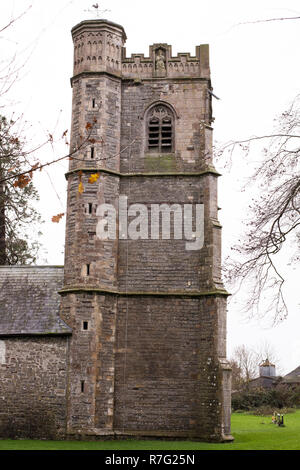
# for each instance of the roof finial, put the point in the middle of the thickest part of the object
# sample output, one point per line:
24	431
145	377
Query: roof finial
96	10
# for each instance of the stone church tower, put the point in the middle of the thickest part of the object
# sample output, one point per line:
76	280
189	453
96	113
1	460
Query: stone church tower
147	352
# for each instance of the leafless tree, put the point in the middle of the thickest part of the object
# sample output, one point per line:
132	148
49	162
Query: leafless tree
274	215
11	65
264	351
246	361
237	378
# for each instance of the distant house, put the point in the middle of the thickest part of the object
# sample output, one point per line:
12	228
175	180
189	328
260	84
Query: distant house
267	376
293	378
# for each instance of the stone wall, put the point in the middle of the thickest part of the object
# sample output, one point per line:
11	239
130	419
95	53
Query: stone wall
167	371
91	376
190	102
82	246
166	265
96	122
33	375
150	366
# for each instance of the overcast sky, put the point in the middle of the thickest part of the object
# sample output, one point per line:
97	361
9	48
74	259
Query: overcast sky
255	71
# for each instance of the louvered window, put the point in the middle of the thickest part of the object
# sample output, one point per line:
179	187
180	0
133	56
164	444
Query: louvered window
160	130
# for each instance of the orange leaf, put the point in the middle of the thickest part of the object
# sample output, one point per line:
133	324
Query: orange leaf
56	218
93	178
88	126
34	167
80	188
22	181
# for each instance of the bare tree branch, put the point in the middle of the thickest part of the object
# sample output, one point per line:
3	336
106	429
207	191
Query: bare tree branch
271	19
13	20
274	215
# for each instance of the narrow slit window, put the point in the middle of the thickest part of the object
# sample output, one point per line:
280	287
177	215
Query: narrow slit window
93	103
87	269
90	208
85	325
92	152
82	384
160	130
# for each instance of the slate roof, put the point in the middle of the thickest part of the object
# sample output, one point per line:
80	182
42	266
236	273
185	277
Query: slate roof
29	302
263	382
292	377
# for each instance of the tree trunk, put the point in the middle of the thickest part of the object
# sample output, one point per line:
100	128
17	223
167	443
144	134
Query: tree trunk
2	225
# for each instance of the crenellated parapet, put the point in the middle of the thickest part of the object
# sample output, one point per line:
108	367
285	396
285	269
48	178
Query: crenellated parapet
99	47
161	63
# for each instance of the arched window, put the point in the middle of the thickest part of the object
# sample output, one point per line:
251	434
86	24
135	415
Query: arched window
160	129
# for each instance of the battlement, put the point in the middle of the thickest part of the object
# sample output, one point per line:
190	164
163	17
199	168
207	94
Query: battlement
99	47
161	63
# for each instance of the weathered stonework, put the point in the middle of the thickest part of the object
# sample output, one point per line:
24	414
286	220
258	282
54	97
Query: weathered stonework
138	347
33	387
153	360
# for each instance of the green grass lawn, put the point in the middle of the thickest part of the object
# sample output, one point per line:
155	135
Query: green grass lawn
250	433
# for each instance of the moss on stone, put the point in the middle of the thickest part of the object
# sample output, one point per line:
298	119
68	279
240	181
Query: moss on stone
160	162
97	290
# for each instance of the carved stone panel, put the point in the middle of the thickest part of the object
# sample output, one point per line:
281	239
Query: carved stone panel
160	63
